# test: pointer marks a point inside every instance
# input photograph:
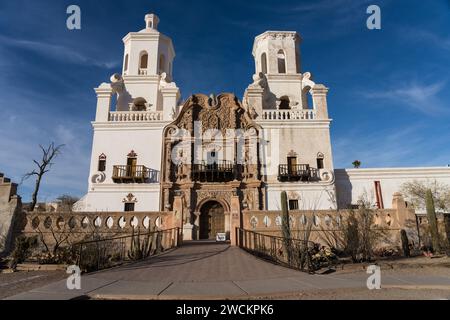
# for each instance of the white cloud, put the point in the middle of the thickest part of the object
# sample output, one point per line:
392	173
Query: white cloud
58	52
420	36
398	147
420	97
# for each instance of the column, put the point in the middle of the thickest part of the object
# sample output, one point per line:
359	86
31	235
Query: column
319	97
104	94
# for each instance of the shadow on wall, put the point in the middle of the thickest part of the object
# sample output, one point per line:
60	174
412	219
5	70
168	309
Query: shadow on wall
344	189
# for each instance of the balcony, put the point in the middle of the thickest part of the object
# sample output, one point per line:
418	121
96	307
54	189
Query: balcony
289	115
223	171
134	174
143	71
135	116
298	172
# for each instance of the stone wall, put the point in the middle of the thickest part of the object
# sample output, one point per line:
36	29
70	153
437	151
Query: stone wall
390	220
10	213
68	228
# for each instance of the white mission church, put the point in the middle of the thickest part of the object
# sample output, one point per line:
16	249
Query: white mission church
149	146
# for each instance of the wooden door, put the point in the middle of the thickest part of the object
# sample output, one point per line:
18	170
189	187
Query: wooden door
131	167
292	165
212	220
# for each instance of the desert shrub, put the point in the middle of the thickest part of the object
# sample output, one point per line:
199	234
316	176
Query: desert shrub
23	249
361	234
351	236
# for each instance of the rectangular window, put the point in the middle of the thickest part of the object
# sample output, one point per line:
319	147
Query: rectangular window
101	165
293	204
129	207
320	163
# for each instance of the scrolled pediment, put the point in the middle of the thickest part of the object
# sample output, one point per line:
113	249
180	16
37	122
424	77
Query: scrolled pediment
221	112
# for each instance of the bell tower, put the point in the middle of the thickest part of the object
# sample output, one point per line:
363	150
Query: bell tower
148	63
277	53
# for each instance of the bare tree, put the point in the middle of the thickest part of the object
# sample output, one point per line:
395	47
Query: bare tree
66	202
415	192
43	166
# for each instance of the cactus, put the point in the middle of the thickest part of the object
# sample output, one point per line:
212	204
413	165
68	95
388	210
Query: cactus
140	251
405	244
286	230
432	222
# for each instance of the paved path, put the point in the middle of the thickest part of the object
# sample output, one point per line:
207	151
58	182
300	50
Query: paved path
214	271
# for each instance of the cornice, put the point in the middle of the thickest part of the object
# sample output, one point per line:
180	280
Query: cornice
392	173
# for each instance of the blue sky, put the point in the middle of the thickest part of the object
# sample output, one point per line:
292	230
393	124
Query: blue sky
389	89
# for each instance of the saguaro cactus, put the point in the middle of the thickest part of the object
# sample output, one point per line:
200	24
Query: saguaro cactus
285	227
432	222
405	244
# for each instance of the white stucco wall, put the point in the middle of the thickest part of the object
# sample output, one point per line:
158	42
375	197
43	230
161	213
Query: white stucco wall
310	196
351	184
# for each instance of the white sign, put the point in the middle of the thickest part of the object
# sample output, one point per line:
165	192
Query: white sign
374	281
221	237
74	280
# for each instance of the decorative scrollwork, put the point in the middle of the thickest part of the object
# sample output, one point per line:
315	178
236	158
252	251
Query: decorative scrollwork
99	177
327	176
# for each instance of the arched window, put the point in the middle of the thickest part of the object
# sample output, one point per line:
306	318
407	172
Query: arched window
320	158
143	63
125	64
162	64
284	103
139	104
264	63
102	163
281	62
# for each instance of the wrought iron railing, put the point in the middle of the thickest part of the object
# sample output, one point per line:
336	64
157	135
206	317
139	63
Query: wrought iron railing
293	253
214	172
139	174
298	172
99	254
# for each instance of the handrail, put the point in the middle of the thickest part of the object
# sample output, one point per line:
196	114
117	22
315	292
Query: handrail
98	254
293	253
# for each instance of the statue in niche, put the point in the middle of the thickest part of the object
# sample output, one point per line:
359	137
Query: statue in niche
180	166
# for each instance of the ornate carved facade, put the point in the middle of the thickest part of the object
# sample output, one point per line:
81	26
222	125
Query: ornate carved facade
211	153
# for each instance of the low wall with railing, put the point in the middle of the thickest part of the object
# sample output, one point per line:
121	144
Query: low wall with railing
101	254
78	226
328	224
292	253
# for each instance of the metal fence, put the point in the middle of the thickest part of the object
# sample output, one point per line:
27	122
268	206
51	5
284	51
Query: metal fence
293	253
101	254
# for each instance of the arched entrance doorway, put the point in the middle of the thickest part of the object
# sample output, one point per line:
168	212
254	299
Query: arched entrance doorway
212	220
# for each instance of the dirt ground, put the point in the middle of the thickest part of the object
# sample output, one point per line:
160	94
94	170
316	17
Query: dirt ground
18	282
